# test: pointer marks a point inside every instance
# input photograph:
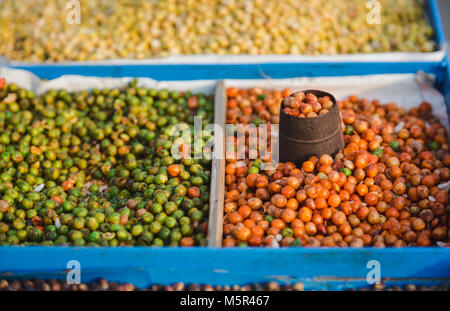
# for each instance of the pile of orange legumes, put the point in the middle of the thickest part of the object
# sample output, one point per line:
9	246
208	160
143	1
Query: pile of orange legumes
307	105
386	188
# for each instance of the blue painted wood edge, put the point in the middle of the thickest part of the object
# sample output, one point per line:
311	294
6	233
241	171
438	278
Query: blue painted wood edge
444	85
436	23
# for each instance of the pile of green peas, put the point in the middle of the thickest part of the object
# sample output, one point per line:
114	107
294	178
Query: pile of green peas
91	168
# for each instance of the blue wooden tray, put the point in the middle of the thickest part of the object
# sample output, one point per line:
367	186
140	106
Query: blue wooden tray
317	268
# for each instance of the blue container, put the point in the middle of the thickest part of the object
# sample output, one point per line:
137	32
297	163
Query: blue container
255	67
318	268
325	268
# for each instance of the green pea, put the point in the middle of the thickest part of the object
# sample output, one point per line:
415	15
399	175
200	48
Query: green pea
349	130
79	242
253	170
155	227
147	218
156	208
395	145
35	234
122	235
137	230
175	236
434	146
164	233
161	179
296	242
92	223
68	206
22	235
170	222
378	152
197	181
346	171
186	230
18	224
94	188
197	215
114	218
287	232
157	242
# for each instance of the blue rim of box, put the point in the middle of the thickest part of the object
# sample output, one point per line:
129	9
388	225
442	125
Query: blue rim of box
436	23
323	268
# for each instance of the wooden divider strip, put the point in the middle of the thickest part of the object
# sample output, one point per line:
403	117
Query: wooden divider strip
215	222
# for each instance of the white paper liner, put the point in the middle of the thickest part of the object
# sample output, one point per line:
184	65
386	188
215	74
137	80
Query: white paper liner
407	90
74	83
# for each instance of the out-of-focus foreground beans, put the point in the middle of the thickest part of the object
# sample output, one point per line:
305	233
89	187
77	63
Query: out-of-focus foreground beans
104	285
